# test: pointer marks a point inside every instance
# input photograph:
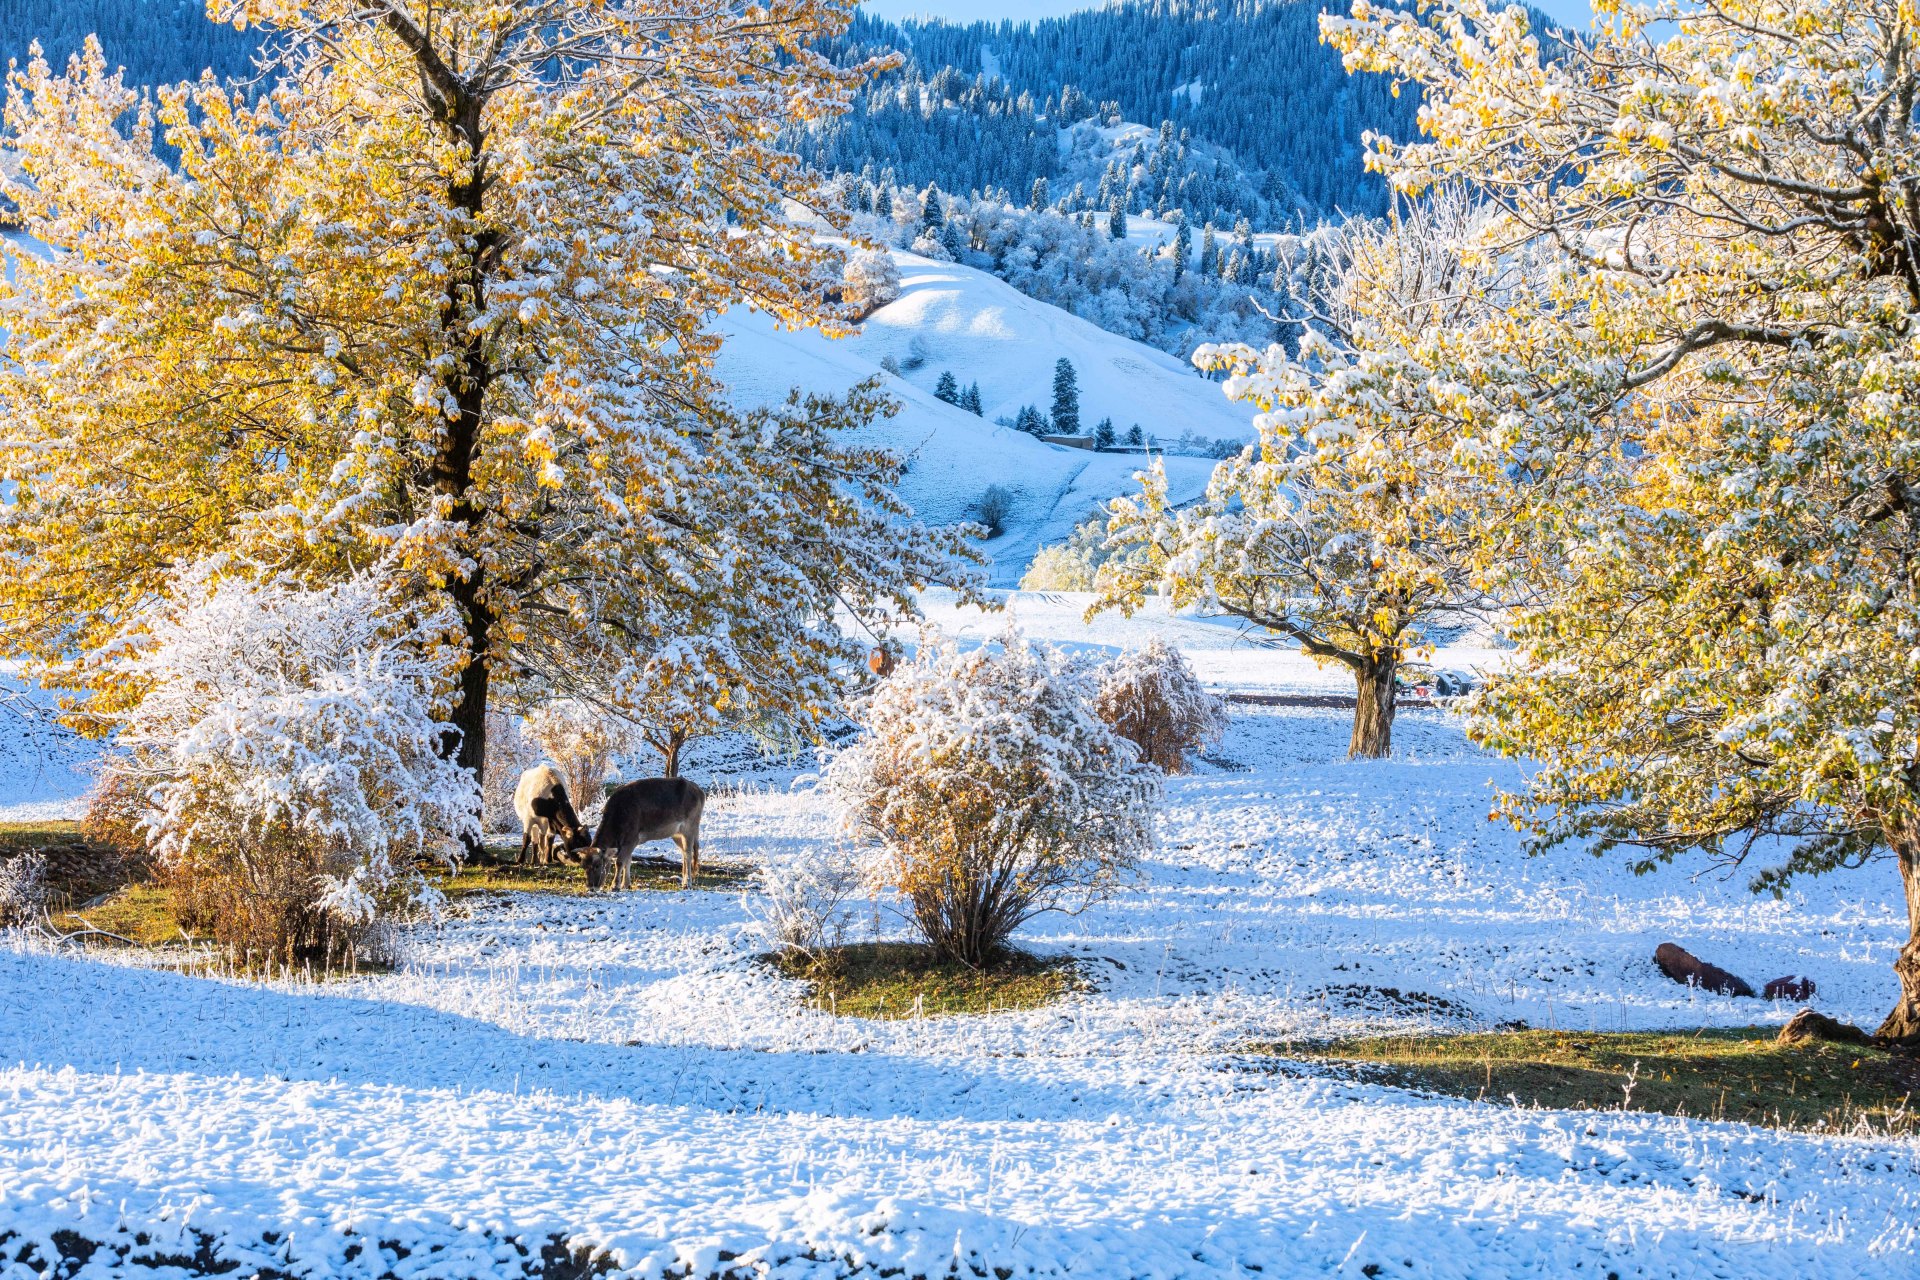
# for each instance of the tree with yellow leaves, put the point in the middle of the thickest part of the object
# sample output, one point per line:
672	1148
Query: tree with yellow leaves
1346	529
437	292
1725	654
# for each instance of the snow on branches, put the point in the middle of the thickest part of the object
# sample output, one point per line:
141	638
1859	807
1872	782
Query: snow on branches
1152	698
291	742
994	790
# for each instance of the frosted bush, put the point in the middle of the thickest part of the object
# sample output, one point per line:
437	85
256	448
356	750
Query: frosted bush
583	740
871	280
24	889
1152	698
509	754
290	742
994	791
801	904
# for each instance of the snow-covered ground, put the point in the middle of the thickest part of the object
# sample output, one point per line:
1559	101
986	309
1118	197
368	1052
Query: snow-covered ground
622	1073
958	319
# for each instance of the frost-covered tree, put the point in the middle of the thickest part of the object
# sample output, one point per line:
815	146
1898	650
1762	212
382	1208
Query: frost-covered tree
287	740
948	388
970	401
1723	522
583	739
1066	398
468	330
994	791
1152	698
871	280
1351	524
1104	436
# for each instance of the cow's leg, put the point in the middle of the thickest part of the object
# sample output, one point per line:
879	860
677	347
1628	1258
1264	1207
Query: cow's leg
623	873
526	838
693	845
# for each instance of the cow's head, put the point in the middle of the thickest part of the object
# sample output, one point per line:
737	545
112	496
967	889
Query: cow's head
599	861
558	812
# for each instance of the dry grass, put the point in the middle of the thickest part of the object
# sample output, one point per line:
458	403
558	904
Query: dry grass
906	980
1742	1074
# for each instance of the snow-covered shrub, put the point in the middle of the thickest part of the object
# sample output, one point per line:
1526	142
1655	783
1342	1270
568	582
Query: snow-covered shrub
290	745
509	754
993	508
871	280
1152	698
583	740
801	904
994	791
24	888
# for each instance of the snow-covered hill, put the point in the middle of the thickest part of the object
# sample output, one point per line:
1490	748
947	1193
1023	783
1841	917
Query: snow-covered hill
954	318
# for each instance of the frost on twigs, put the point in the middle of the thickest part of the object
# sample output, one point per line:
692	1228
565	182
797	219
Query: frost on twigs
803	905
994	791
24	889
1152	698
290	741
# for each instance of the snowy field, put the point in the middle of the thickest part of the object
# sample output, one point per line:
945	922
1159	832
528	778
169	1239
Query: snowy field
620	1072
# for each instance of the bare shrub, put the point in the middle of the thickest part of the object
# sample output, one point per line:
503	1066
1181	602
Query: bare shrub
801	904
25	889
582	739
993	508
117	806
994	792
1152	698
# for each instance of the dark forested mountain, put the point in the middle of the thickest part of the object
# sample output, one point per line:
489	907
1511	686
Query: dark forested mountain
1266	123
157	41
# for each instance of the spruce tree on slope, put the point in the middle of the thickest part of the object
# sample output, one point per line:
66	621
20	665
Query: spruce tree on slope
1066	399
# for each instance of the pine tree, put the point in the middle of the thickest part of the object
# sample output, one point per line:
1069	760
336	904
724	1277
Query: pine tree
1136	437
933	213
1117	217
1031	421
1103	435
948	388
1209	253
1042	196
970	401
1066	398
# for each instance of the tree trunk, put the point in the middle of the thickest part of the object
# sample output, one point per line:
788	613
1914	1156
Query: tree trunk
1903	1024
670	758
1373	712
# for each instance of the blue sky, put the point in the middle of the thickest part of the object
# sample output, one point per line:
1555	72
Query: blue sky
1574	12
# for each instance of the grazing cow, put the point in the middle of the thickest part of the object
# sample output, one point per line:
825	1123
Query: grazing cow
546	815
651	809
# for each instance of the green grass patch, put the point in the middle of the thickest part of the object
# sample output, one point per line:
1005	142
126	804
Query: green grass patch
141	913
563	880
906	980
38	835
1743	1074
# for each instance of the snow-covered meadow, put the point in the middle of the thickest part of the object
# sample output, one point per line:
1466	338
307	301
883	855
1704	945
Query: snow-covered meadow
623	1074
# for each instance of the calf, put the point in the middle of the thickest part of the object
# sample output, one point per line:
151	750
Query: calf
651	809
545	813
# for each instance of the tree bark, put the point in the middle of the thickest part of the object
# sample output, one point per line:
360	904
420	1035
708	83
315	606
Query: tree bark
1903	1024
670	758
1373	710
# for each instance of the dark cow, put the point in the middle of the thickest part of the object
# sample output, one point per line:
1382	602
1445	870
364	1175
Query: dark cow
650	809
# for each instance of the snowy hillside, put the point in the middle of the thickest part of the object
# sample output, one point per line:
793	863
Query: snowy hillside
954	318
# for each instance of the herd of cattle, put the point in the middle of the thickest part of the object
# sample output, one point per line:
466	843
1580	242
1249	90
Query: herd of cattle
650	809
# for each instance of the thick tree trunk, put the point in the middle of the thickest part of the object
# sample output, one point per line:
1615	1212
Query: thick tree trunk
1903	1024
1373	712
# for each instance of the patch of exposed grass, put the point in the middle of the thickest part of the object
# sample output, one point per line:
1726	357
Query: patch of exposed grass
571	881
905	980
139	912
1742	1074
38	835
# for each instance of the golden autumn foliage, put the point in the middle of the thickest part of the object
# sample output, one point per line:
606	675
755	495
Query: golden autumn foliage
437	291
